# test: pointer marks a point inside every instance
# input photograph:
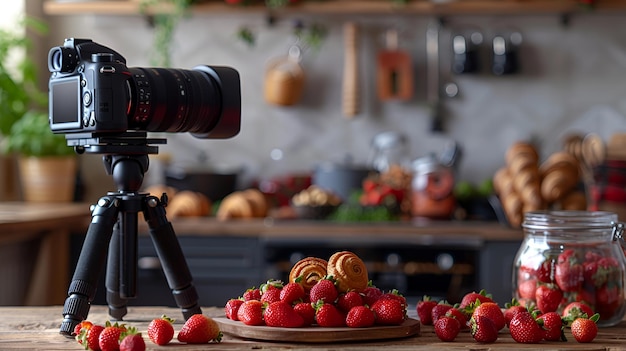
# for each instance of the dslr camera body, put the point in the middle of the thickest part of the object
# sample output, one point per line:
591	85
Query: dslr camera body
93	93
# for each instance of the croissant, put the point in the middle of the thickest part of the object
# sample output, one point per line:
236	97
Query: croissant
349	271
309	270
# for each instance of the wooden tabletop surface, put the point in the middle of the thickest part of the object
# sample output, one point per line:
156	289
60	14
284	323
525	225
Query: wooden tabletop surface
36	328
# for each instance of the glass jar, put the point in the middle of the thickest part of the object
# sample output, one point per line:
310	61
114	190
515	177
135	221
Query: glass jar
577	253
432	188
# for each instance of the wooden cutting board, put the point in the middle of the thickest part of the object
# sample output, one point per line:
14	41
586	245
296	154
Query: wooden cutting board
410	327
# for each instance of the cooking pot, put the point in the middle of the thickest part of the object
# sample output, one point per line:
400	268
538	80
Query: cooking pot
215	185
341	179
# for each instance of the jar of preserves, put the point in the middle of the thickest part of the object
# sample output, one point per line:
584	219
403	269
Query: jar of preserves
432	188
572	256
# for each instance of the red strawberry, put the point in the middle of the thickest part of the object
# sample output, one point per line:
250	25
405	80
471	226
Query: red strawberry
548	297
512	308
492	311
482	329
360	317
546	271
199	329
459	315
251	312
161	330
132	341
447	328
470	298
327	315
306	311
389	312
89	336
609	299
576	309
585	329
252	294
371	294
84	324
525	329
395	294
526	289
553	326
439	310
424	309
270	291
109	339
281	314
292	292
324	290
232	307
350	299
568	272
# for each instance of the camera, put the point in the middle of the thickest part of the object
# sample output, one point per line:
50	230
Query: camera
93	92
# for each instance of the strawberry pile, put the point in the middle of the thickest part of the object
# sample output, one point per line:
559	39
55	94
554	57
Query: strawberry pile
198	329
582	275
485	319
289	305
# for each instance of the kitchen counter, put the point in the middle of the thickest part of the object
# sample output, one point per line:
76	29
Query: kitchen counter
51	225
36	328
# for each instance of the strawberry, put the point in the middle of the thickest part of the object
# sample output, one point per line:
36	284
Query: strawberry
492	311
585	329
568	272
389	312
395	294
232	307
545	272
360	317
439	310
251	312
371	294
270	291
199	329
525	329
575	310
327	315
511	309
109	339
161	330
609	299
447	328
548	297
526	289
459	315
553	326
424	309
252	294
292	292
89	336
84	324
132	341
471	297
281	314
324	290
350	299
306	311
482	329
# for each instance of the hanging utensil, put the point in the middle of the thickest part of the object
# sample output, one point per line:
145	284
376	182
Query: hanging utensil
432	76
395	71
350	71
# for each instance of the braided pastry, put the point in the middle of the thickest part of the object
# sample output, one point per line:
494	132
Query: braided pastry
349	271
309	270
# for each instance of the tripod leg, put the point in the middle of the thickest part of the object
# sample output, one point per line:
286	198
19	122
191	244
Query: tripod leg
117	304
171	256
90	265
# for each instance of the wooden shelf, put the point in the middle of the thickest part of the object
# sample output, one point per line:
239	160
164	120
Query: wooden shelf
347	7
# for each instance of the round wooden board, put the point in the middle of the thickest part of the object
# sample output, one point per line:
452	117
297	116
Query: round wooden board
410	327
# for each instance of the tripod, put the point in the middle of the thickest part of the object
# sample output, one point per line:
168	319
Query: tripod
114	225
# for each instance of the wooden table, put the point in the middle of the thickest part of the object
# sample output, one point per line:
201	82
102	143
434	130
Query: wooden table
36	328
51	224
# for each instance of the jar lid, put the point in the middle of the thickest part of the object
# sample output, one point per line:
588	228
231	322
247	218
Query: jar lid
564	220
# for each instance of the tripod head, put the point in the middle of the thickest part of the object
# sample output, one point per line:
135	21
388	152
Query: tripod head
125	155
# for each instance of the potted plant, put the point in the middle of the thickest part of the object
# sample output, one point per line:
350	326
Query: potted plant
43	158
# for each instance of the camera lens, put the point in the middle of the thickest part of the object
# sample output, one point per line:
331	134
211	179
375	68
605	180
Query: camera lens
62	59
177	100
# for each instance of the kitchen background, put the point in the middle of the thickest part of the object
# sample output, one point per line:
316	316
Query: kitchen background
571	79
